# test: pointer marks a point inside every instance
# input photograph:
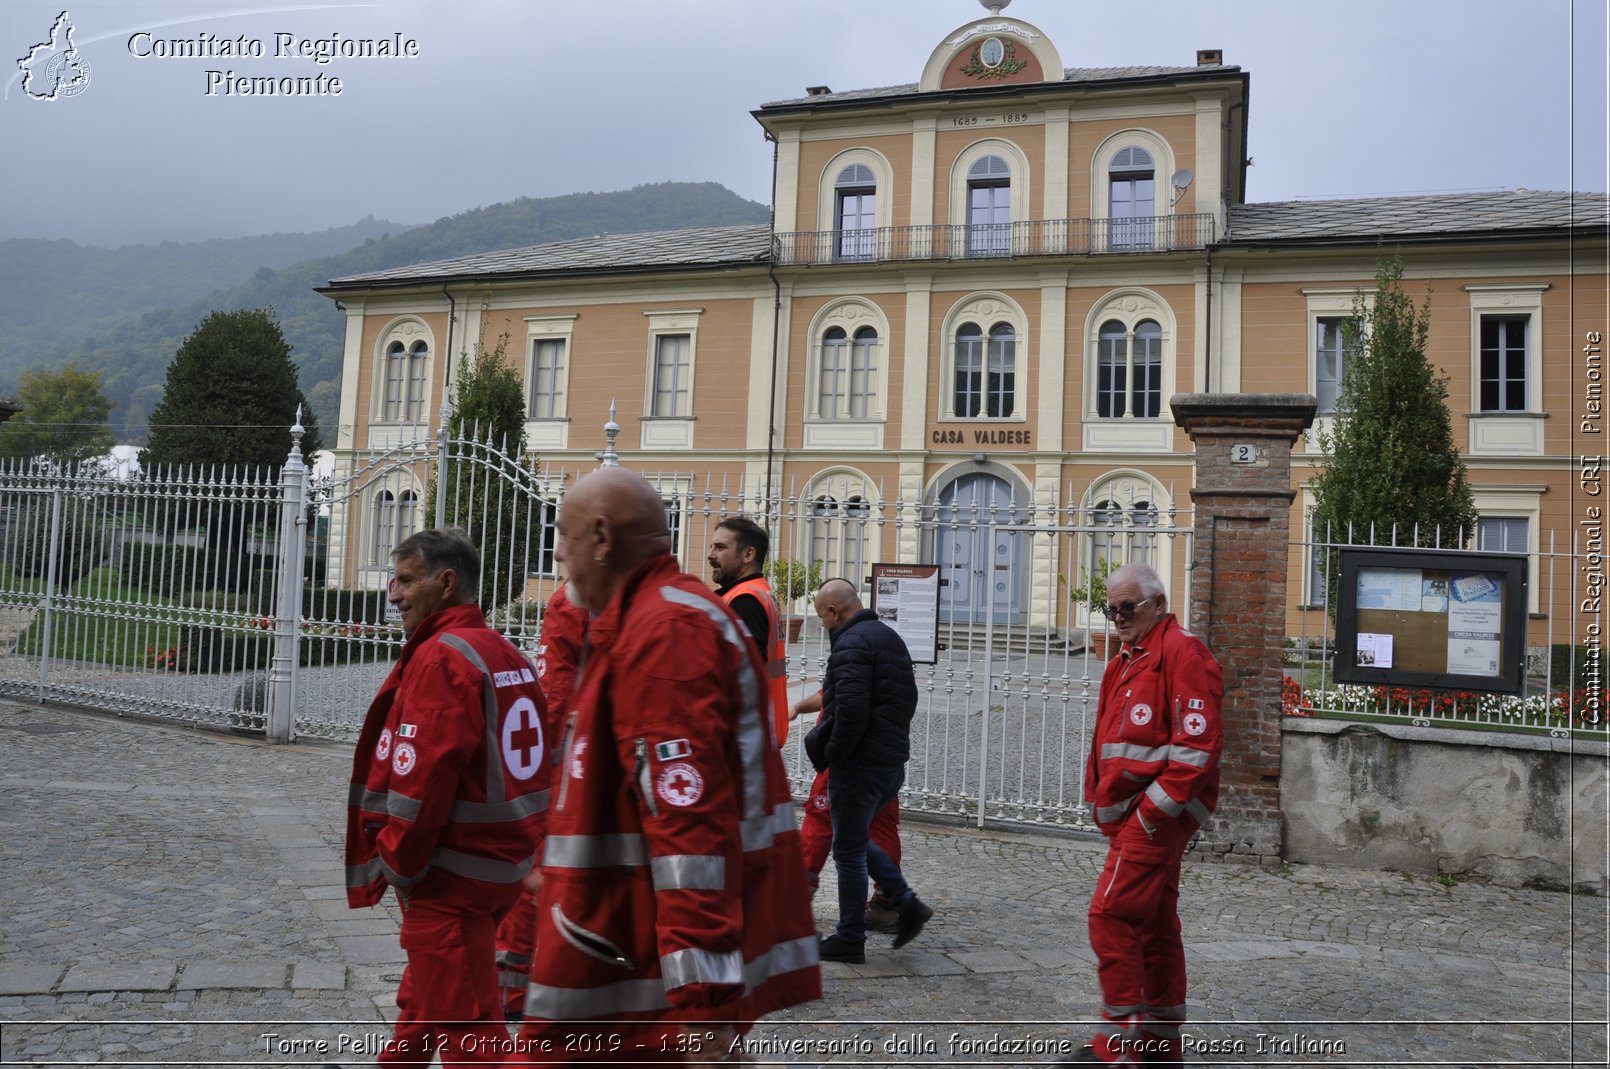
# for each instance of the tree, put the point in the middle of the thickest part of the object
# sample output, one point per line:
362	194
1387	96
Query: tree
489	411
1389	456
63	418
230	396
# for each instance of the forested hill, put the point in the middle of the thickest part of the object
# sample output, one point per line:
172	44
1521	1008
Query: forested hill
54	293
134	354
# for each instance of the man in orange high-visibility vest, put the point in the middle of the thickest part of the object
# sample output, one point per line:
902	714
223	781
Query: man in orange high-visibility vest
737	555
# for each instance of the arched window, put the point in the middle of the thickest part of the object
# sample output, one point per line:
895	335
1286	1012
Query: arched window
1131	198
847	378
403	374
855	208
838	534
1122	535
1129	370
396	382
418	370
989	207
864	374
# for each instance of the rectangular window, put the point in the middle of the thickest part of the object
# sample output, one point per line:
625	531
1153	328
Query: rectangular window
989	218
857	222
396	375
417	361
1001	395
672	375
1502	534
863	376
1328	356
1503	363
673	520
547	362
1147	400
1112	375
832	381
969	375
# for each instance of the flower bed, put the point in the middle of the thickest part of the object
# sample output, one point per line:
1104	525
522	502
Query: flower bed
1561	709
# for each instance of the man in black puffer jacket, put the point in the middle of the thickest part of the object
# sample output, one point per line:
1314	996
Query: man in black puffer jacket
869	695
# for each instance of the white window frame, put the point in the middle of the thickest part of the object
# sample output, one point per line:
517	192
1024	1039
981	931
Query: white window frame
549	432
673	431
1512	503
412	334
985	310
1162	154
1130	306
1509	432
1140	506
1329	302
842	431
827	193
960	202
842	536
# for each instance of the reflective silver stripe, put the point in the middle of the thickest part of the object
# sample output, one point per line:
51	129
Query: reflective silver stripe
759	832
1184	755
391	803
689	872
482	868
1121	1011
1162	801
497	812
365	874
1109	813
639	996
1133	752
586	1003
754	729
1166	1013
695	966
595	851
489	707
397	879
1198	810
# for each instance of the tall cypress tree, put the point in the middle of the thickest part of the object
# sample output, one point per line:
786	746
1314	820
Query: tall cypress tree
230	396
1389	455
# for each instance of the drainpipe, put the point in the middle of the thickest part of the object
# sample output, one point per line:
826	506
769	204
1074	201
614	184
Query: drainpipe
776	324
441	430
1207	355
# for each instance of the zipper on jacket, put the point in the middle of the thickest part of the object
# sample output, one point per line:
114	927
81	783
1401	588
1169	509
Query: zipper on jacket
564	758
589	943
643	776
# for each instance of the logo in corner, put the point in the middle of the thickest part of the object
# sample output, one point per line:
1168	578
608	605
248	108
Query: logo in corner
54	69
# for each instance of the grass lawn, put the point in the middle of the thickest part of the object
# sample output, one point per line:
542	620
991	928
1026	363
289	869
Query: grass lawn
101	621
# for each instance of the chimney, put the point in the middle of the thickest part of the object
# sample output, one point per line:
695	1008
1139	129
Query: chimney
817	90
1209	57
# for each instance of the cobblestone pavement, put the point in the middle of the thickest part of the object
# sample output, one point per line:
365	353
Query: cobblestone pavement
173	897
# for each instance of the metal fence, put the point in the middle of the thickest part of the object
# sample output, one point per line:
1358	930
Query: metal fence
1562	683
255	601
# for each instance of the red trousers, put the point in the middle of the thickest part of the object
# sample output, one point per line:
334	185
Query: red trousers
816	829
449	995
516	937
1140	958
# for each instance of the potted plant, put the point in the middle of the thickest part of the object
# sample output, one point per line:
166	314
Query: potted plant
792	581
1091	595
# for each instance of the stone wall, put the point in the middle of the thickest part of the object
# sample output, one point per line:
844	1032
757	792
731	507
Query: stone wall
1513	809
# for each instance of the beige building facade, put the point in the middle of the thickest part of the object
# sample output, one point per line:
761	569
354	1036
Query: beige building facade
979	292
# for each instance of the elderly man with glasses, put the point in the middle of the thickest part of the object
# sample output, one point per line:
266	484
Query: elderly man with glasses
1153	778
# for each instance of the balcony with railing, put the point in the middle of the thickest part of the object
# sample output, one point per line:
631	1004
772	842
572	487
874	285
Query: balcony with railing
981	241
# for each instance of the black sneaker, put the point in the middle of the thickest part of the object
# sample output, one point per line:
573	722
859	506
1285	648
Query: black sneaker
910	922
834	948
881	916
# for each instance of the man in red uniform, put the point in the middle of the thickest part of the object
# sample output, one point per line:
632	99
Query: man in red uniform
672	896
449	785
564	626
1153	778
737	557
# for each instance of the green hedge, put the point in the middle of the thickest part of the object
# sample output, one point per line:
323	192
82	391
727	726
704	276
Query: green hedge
1560	666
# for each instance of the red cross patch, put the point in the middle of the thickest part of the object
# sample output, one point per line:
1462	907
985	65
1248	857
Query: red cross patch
1141	714
679	784
404	760
1194	723
383	747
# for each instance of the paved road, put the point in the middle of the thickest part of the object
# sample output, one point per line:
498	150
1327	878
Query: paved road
172	897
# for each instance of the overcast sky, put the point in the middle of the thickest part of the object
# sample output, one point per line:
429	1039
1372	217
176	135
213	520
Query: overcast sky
510	98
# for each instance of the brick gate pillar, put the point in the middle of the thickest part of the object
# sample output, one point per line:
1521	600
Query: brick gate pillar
1242	500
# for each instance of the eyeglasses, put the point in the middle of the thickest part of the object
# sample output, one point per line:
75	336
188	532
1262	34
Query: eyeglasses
1124	609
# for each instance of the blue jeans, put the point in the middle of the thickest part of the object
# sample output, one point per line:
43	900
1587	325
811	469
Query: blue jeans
853	799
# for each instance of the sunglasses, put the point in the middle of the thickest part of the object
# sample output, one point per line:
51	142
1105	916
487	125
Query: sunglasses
1122	610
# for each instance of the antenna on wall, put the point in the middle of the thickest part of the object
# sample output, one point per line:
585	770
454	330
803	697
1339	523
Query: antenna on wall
1181	180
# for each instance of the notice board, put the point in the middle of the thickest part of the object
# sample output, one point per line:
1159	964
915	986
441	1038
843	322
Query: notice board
1431	618
906	597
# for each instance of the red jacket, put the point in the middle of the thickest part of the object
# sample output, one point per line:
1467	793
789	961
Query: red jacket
672	886
449	781
1158	733
564	628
